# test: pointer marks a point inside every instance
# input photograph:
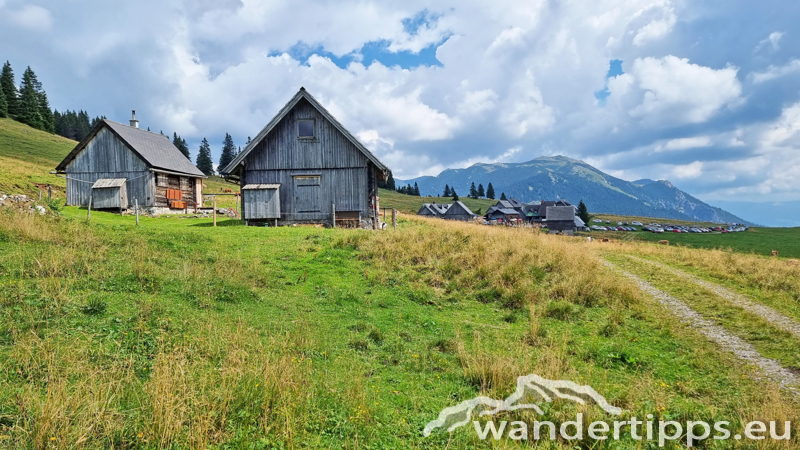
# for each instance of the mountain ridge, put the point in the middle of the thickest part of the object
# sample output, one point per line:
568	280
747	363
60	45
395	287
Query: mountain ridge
561	177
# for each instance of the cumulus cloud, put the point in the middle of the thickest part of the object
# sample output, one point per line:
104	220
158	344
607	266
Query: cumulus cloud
510	80
673	90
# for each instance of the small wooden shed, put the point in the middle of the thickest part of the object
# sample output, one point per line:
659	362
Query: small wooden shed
110	193
458	211
264	200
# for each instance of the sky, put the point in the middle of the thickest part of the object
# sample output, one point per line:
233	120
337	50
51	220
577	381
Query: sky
704	94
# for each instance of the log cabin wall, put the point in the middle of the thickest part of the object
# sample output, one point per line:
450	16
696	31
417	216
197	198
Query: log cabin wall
164	181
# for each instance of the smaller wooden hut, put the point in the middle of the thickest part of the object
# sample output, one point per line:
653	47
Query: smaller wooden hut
561	219
110	193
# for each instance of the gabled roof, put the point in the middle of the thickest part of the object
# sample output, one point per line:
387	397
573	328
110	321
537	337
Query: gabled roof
156	150
509	211
427	209
458	208
560	213
301	94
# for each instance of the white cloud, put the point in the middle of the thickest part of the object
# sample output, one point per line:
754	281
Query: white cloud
32	17
692	170
656	28
673	90
774	72
772	40
687	143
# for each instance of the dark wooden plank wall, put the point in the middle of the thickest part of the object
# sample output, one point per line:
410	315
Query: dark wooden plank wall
263	204
105	156
343	170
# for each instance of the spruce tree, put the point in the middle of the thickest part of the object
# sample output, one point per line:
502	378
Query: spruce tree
29	100
416	189
9	89
481	192
83	125
447	192
390	184
180	143
455	196
583	212
473	192
3	105
228	152
48	121
503	196
490	192
204	161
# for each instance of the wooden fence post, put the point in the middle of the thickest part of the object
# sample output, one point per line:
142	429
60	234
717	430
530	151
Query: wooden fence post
40	195
394	218
136	207
333	208
215	210
89	209
49	192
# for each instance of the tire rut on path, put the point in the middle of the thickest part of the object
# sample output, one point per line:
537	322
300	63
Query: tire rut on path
770	368
770	315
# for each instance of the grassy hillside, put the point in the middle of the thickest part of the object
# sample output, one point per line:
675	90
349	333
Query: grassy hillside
176	334
410	204
28	155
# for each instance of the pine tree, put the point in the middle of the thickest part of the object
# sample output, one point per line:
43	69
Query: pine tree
481	192
181	145
204	161
390	184
447	192
83	125
48	121
29	100
583	212
3	105
490	192
9	89
455	196
228	152
503	196
416	189
473	192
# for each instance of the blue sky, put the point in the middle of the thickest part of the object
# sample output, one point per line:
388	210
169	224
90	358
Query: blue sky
705	94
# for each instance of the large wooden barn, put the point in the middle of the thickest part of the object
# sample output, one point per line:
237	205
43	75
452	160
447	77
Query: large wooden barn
305	167
118	165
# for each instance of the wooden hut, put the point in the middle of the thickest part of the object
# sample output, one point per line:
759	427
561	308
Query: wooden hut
118	165
458	211
305	167
561	219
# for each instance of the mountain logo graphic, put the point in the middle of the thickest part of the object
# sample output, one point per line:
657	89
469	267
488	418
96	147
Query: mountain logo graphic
530	390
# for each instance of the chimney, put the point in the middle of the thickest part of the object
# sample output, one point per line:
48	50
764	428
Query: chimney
134	122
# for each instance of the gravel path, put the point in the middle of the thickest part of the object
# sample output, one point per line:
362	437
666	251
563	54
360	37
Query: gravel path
770	315
769	367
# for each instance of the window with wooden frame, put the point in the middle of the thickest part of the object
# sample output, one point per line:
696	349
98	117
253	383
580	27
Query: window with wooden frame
305	129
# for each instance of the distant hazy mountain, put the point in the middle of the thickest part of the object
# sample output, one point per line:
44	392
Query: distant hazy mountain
551	178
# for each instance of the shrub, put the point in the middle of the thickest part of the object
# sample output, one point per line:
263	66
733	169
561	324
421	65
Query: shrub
94	307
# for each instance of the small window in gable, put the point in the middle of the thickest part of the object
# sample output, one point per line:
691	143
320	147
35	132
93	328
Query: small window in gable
305	129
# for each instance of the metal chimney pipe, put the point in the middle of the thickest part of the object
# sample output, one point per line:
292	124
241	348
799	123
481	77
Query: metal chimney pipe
134	122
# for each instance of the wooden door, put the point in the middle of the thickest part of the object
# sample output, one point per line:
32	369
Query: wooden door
307	194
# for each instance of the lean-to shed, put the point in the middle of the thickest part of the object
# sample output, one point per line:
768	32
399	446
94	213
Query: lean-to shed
314	168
